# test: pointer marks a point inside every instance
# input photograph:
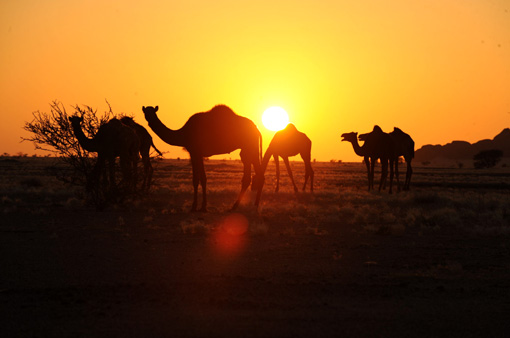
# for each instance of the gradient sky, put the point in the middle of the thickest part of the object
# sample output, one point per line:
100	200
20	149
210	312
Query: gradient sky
439	70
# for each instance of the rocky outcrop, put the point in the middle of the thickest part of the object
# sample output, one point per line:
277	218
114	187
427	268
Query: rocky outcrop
462	150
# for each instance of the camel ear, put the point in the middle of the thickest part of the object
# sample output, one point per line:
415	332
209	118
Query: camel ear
143	107
156	108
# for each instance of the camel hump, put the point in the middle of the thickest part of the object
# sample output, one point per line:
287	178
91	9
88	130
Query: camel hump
113	123
290	127
377	129
127	120
398	130
221	109
130	122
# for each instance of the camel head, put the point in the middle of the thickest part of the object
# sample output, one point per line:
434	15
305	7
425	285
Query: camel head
350	137
364	137
76	120
149	112
376	131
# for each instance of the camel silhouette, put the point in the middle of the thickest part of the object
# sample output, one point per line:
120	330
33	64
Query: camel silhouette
145	144
113	139
404	146
377	145
352	137
381	146
285	143
218	131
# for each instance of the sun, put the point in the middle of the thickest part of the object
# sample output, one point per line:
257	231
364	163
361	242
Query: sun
275	118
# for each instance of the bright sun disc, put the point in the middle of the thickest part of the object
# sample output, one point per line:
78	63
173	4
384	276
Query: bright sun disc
275	118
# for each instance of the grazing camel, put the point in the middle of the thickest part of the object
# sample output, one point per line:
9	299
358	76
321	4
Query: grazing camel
404	146
285	143
378	145
113	139
145	142
218	131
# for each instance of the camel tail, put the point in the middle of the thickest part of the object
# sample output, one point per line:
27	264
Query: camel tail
260	147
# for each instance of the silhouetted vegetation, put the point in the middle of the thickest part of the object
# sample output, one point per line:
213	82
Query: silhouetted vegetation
487	158
53	132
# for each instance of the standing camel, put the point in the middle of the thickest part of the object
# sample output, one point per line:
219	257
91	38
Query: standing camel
404	146
113	139
218	131
285	143
377	146
381	146
145	144
352	137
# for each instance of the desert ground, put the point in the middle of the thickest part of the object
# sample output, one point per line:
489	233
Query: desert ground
343	261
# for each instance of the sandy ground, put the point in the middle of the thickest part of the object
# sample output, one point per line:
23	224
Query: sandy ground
128	272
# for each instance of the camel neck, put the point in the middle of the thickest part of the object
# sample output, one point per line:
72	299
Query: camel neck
357	149
85	142
173	137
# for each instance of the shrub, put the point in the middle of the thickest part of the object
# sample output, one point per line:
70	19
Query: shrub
53	132
487	158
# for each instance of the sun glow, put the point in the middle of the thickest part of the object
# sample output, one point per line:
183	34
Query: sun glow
275	118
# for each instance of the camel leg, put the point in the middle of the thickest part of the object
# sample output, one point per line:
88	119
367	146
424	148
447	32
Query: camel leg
397	174
367	163
372	169
148	175
409	173
391	174
147	172
259	174
132	170
308	171
246	178
195	163
145	150
384	172
277	168
96	177
203	182
111	173
289	170
126	163
312	174
135	171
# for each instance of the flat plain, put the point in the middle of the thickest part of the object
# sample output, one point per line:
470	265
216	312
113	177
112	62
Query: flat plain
343	261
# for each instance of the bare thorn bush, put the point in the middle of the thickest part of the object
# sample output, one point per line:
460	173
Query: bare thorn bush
53	132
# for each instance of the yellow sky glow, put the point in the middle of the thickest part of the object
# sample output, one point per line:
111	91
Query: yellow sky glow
437	69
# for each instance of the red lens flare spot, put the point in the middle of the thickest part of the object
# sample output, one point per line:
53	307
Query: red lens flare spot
235	224
230	235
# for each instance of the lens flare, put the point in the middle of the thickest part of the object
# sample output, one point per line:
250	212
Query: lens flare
230	236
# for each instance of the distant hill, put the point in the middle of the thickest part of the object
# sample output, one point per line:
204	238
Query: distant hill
462	150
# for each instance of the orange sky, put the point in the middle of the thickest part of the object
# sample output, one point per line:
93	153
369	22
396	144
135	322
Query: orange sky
438	69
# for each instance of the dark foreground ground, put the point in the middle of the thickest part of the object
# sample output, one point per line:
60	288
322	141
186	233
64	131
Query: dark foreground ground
305	266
